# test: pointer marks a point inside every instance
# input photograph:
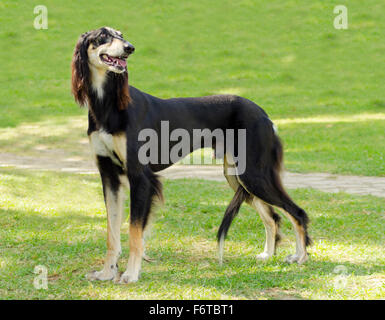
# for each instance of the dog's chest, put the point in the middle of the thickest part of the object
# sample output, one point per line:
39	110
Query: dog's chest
113	146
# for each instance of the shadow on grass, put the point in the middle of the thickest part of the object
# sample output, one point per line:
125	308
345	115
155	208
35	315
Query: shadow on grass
35	235
353	227
243	277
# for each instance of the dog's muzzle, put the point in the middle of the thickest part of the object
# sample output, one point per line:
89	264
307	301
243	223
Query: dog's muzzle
128	47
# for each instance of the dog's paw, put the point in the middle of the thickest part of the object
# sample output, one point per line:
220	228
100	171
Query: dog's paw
101	275
291	258
263	256
128	277
296	258
302	259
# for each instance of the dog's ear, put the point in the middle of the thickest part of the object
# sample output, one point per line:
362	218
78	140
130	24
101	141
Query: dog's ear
80	70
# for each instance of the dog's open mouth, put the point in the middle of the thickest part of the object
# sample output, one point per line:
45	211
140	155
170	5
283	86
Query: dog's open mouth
117	62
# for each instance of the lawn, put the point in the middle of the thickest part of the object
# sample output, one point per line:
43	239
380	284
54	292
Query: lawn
58	221
323	87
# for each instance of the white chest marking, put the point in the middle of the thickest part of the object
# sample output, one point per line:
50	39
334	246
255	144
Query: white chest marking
97	82
108	145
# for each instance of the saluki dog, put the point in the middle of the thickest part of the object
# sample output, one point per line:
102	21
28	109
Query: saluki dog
117	113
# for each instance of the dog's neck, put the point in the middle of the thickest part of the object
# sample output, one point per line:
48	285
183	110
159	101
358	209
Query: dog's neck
98	78
103	100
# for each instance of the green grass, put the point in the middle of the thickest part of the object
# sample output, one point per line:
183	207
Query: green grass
321	86
285	56
58	220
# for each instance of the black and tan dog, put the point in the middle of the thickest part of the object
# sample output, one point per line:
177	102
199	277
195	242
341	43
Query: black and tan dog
118	112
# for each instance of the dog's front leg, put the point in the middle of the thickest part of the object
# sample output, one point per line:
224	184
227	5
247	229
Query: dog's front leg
142	191
114	195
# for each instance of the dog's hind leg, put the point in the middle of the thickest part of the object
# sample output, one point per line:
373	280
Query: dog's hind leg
270	219
271	222
144	189
262	179
266	189
234	206
114	184
146	233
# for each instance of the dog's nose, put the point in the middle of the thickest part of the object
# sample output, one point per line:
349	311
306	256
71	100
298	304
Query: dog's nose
128	48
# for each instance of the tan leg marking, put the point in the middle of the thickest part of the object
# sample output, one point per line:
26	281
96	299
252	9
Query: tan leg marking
136	253
147	230
115	208
300	255
270	228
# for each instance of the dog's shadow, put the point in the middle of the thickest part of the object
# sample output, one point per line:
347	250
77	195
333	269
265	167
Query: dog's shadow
243	277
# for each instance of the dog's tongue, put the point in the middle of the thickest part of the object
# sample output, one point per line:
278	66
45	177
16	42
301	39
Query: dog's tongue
121	62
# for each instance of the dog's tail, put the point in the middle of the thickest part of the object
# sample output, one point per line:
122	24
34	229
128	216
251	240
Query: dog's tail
231	212
297	213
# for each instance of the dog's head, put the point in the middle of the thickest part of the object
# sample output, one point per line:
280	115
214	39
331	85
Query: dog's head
107	50
103	50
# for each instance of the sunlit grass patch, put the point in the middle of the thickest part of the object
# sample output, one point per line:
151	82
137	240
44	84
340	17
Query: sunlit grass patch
55	138
58	220
361	117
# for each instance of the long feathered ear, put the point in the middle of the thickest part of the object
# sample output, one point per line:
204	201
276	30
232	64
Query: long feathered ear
123	93
80	71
